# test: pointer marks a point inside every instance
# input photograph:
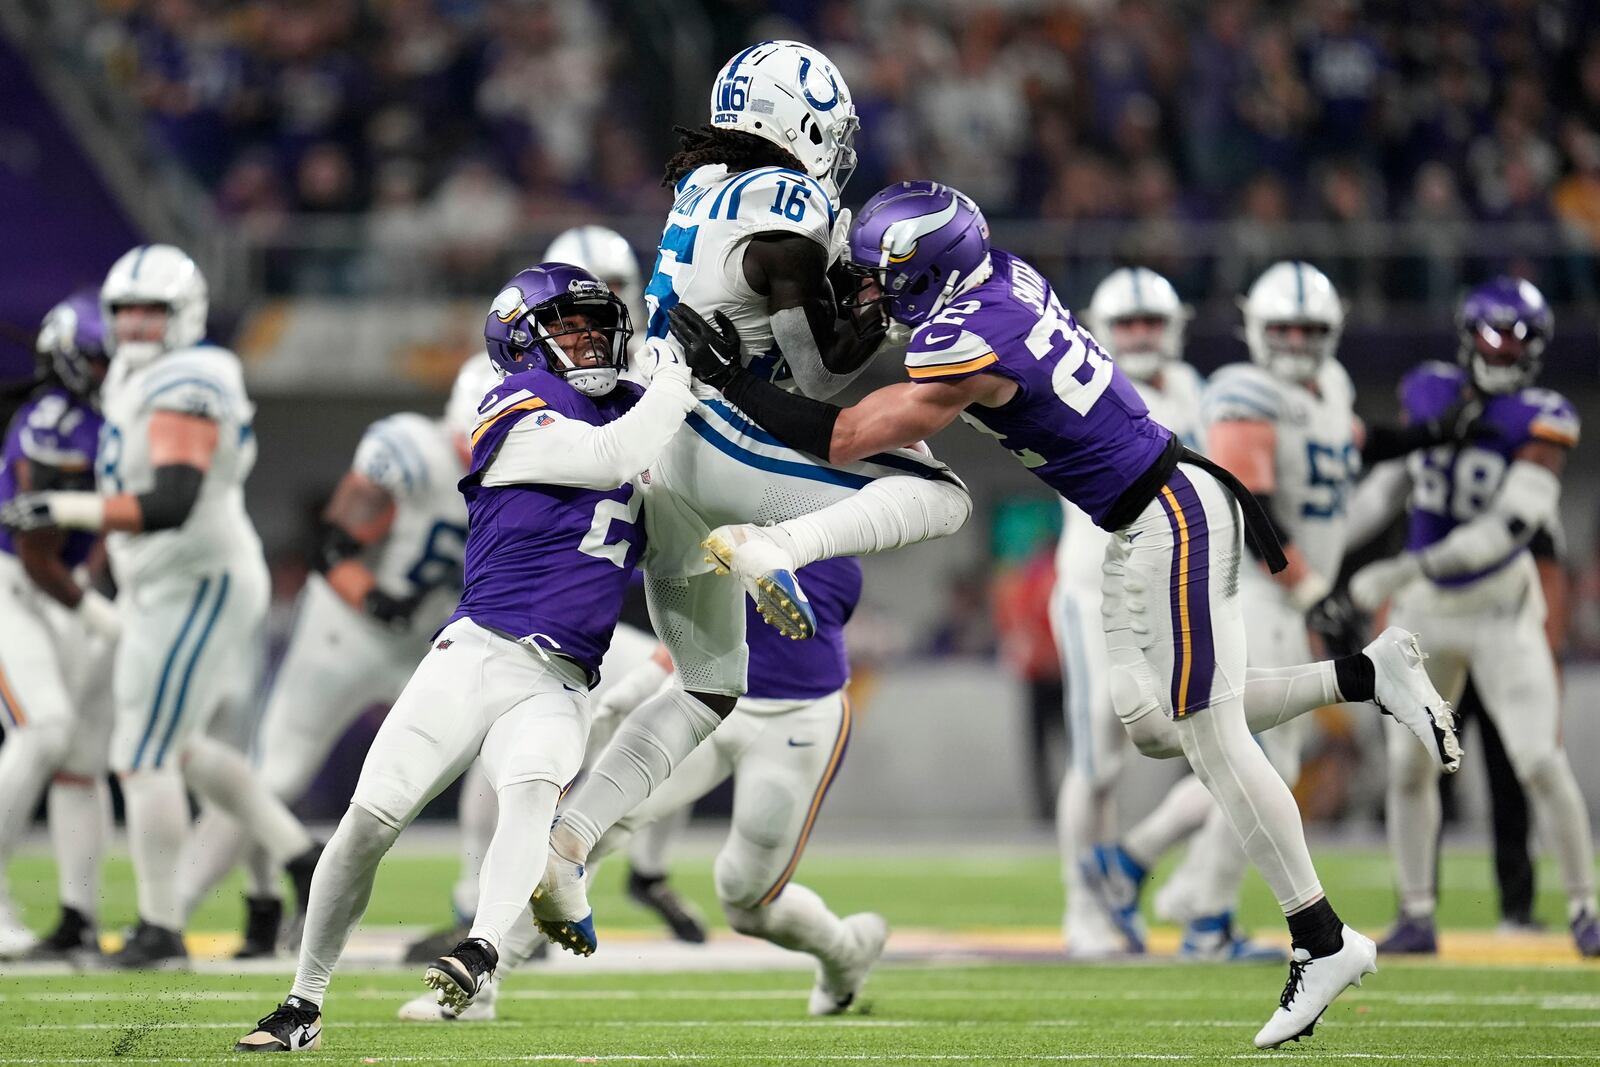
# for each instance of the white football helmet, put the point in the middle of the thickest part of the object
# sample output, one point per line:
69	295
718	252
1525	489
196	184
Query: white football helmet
1138	293
1290	293
156	274
604	253
473	381
792	95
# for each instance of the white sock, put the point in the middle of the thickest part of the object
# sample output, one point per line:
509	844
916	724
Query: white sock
1181	812
1213	867
797	920
1411	820
886	513
262	877
340	890
158	821
515	860
1082	811
80	824
222	775
643	751
27	759
216	844
478	813
1564	822
647	852
1254	798
1274	695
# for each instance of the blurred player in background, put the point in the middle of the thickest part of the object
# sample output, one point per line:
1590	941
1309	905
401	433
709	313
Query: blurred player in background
387	577
1141	320
175	451
58	638
1468	581
753	231
992	343
552	541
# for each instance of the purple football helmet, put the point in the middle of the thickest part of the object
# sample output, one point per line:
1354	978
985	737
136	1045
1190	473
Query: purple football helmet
544	303
72	343
1505	325
918	242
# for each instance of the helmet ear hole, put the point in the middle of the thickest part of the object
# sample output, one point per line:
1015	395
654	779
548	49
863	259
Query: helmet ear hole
919	286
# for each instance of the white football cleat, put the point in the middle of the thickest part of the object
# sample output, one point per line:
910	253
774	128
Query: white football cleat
561	905
427	1009
1402	690
16	940
840	982
1314	984
767	573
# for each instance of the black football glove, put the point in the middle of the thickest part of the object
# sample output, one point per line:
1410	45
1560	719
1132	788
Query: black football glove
27	511
1462	421
1339	623
714	354
392	611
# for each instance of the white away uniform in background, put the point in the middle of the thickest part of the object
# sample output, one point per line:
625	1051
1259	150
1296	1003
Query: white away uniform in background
1315	464
341	661
192	598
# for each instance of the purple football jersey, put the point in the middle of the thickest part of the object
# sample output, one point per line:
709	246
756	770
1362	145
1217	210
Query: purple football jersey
784	669
548	562
1451	485
53	429
1076	421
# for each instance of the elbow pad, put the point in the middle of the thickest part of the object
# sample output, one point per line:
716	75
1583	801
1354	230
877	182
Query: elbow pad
167	506
338	545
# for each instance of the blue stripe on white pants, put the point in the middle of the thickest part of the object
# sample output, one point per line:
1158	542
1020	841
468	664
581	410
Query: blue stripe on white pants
188	671
166	672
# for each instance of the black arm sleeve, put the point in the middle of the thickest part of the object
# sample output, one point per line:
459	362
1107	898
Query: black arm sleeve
167	506
1265	500
1392	442
798	421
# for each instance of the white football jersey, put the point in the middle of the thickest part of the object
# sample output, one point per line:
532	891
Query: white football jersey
701	258
417	460
1317	461
206	381
1175	404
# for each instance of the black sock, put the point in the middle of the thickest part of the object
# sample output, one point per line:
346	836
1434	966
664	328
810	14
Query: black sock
1317	929
1355	676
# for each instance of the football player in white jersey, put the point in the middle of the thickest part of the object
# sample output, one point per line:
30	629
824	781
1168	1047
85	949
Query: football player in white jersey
1139	319
1285	424
388	576
754	228
175	450
58	637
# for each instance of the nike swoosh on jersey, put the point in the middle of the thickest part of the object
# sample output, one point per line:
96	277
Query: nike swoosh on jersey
946	339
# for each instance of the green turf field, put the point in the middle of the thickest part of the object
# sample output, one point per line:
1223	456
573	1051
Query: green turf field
913	1012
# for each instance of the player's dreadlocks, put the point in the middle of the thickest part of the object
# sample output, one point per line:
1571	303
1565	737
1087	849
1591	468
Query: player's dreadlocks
735	149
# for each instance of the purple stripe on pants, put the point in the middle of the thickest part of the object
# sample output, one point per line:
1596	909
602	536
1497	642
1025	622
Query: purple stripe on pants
1192	647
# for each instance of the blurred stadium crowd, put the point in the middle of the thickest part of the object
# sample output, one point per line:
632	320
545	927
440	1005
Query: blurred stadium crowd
457	121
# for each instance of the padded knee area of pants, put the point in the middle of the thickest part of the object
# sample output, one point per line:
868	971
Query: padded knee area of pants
1133	694
749	921
1153	735
744	872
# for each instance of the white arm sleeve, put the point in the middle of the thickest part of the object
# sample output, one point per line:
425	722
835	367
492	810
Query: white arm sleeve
1527	500
792	332
1377	500
569	452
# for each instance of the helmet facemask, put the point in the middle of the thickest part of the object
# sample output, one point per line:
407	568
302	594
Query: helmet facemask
1142	356
1295	351
594	324
1505	356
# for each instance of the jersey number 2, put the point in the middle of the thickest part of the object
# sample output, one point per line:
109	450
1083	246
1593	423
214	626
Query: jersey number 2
1058	334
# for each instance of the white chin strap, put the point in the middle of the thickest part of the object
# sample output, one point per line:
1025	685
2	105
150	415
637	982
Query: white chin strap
592	381
1493	379
138	353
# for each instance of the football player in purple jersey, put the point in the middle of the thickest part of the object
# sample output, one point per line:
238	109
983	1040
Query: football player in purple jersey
57	731
553	536
992	344
1468	580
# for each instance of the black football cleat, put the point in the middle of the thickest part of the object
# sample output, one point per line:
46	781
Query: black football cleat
432	946
659	897
460	975
150	947
295	1026
74	940
263	920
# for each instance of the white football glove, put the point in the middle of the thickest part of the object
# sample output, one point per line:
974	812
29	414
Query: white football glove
40	511
1376	582
99	615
